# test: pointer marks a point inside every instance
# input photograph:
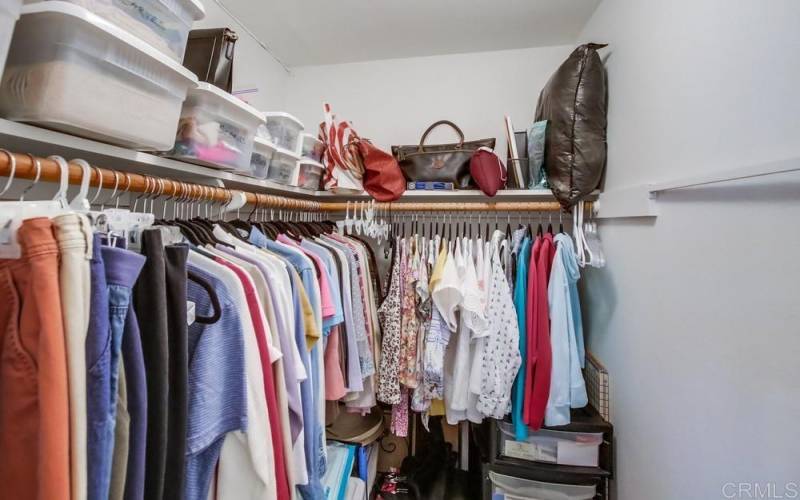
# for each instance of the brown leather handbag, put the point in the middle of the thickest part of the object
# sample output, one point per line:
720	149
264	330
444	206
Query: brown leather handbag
440	162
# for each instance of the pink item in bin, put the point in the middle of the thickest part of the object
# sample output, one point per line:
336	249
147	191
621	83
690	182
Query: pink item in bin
215	154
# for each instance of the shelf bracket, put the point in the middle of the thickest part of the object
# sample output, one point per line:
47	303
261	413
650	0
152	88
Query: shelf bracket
641	200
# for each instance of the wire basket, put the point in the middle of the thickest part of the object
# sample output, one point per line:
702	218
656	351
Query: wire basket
596	377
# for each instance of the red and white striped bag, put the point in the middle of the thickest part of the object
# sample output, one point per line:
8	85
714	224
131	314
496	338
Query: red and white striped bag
344	169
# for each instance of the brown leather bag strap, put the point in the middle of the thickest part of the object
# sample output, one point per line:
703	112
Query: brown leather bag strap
442	122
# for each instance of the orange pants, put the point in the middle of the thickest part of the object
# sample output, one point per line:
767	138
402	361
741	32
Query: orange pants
34	397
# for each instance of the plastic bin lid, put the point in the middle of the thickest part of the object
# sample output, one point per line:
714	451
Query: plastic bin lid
264	143
286	152
196	9
311	136
281	114
207	88
111	32
310	161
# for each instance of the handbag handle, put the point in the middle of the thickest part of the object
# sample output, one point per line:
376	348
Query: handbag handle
442	122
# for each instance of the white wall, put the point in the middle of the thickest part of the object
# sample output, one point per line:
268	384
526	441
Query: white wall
696	315
394	101
253	67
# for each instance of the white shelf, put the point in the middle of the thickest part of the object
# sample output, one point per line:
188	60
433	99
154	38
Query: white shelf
469	195
24	138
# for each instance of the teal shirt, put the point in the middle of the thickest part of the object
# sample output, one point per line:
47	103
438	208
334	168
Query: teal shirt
520	301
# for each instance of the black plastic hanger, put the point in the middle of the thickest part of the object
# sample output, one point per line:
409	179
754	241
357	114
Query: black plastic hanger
212	295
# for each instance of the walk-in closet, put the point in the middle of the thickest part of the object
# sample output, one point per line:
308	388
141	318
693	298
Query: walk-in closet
423	250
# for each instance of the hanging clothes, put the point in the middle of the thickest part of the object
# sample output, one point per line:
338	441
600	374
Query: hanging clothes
520	296
501	359
34	416
567	387
215	353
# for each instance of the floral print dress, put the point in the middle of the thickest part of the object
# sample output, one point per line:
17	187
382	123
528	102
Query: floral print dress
389	316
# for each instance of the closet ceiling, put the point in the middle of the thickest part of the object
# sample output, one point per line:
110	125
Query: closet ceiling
310	32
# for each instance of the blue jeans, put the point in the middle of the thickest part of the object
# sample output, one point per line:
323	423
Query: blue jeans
104	343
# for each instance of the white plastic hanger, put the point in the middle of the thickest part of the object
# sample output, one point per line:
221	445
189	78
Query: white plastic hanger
13	161
359	222
12	213
63	186
594	245
80	201
577	233
348	222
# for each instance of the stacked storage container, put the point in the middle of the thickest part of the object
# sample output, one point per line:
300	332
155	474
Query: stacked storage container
568	462
263	151
282	168
308	174
309	169
308	146
283	131
163	24
216	130
74	71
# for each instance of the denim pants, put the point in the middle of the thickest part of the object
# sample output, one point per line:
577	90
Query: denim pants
121	270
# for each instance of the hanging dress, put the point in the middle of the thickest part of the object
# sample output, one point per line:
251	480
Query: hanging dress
389	315
409	328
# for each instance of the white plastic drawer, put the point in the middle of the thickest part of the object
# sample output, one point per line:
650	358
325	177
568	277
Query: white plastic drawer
565	448
164	24
71	70
515	488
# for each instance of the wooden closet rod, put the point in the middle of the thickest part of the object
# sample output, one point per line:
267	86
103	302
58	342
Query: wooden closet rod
25	168
500	206
126	182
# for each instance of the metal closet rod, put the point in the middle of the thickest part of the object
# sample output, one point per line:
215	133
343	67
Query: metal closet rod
127	182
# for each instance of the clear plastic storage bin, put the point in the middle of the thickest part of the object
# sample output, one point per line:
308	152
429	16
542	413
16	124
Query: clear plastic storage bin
515	488
164	24
9	13
71	70
310	147
216	130
262	155
283	129
309	173
565	448
282	166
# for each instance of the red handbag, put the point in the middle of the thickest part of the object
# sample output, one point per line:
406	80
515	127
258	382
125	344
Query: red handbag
487	171
383	179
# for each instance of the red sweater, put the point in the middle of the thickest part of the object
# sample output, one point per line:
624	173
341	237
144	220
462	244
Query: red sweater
540	359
